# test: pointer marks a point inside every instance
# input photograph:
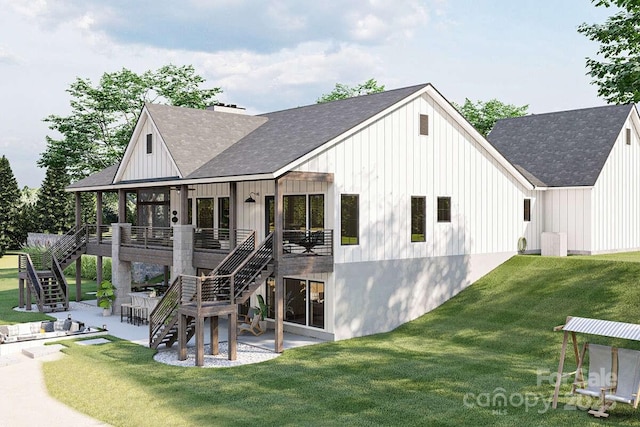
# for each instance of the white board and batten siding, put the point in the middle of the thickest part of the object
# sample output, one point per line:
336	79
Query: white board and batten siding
388	162
616	195
143	165
568	210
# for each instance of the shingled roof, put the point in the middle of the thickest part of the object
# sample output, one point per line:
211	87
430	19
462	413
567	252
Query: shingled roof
194	136
290	134
563	149
98	179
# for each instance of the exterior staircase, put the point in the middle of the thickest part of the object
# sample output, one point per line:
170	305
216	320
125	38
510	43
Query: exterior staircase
44	274
235	279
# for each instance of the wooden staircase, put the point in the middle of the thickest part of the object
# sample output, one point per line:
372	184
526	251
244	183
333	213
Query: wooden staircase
44	274
237	277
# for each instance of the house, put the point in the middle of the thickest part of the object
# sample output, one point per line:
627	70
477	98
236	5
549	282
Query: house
350	217
585	164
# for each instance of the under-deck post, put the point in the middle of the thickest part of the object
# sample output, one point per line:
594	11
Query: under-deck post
79	260
99	235
233	335
28	301
199	340
277	254
563	352
182	336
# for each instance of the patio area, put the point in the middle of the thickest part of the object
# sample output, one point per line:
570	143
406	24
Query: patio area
251	349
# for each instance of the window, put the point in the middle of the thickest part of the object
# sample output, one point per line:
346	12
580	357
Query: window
628	136
424	124
299	212
295	212
204	210
316	211
223	217
444	209
190	210
418	220
527	210
304	301
149	143
349	219
153	207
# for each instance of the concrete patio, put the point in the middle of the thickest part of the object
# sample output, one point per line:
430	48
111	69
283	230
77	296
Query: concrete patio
91	315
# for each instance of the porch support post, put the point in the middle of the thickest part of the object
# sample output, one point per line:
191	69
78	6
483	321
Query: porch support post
277	254
184	205
122	206
120	270
233	210
99	235
183	251
79	260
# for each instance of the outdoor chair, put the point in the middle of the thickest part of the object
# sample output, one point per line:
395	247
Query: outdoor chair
628	382
601	378
251	325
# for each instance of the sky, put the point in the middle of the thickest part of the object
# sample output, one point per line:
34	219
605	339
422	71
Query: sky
270	55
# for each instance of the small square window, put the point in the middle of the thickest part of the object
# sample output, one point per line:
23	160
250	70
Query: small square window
424	124
628	136
444	209
527	210
149	143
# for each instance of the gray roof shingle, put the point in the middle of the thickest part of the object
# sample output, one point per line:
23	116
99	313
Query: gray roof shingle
290	134
98	179
195	136
563	149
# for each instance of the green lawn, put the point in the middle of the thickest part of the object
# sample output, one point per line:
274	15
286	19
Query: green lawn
445	368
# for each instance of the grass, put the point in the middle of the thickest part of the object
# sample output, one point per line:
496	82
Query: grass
490	340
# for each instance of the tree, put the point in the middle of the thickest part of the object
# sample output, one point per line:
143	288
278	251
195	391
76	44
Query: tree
342	91
26	217
9	200
96	133
483	115
54	208
617	75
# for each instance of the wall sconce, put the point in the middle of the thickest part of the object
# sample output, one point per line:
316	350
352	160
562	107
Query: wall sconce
251	199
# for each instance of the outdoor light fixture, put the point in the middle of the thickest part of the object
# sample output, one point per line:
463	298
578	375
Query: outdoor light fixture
251	199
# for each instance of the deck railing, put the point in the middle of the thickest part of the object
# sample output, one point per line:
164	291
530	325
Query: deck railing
217	238
147	237
308	242
104	234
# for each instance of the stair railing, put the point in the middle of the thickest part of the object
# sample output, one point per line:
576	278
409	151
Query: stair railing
33	279
252	266
73	240
60	279
161	316
184	289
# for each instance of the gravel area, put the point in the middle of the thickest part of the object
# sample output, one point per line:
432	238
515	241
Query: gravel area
246	354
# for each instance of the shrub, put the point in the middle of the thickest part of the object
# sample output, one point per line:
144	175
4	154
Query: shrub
89	268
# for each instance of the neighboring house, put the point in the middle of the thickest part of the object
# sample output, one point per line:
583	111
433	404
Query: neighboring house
382	207
586	165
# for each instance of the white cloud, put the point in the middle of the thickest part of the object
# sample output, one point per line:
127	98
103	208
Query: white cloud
8	57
